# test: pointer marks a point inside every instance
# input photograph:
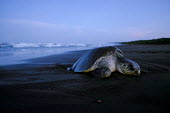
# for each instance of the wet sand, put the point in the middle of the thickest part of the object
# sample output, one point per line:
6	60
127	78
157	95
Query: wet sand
43	85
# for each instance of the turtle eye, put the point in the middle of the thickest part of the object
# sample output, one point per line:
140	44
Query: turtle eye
131	67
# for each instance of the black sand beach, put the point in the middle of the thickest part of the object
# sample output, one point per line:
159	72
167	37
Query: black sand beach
43	85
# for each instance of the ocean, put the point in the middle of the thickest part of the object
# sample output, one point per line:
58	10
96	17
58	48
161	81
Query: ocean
17	53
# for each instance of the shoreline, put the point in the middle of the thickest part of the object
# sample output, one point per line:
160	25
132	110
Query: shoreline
44	85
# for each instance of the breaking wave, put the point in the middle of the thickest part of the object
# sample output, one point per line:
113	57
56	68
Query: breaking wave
33	45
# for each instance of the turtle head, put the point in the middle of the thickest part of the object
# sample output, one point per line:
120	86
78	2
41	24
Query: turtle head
128	67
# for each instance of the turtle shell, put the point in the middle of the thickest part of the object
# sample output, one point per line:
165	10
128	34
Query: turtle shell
86	62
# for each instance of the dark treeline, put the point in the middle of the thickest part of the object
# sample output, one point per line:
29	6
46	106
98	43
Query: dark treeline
153	41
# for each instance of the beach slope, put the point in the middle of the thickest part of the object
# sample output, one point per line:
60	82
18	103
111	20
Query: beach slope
44	85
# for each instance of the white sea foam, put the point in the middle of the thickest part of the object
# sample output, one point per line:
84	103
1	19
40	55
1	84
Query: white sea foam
18	45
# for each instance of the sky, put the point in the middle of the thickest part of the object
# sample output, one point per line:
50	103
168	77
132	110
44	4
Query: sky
83	21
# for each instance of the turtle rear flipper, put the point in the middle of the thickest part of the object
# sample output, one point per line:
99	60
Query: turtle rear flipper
69	69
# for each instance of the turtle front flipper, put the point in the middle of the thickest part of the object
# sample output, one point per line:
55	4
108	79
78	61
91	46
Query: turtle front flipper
101	72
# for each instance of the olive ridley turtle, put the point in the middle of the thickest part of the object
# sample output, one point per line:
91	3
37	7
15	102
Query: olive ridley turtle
102	61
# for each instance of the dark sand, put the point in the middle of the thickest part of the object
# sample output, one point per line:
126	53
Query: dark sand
44	85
